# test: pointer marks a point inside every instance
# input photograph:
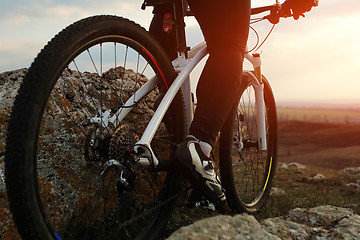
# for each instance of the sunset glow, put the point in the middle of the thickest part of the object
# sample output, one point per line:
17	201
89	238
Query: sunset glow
312	59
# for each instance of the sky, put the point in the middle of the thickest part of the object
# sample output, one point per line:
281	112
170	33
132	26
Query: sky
314	59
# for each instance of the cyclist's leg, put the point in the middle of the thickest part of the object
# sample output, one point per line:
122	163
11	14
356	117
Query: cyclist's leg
226	35
225	28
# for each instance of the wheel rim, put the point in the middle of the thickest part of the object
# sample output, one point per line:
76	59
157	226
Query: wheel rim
78	201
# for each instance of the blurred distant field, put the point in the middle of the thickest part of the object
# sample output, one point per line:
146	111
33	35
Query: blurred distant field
325	115
324	145
326	138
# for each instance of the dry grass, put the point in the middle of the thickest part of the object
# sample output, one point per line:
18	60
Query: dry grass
323	148
304	192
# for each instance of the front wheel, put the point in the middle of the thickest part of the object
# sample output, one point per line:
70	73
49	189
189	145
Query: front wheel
84	102
246	171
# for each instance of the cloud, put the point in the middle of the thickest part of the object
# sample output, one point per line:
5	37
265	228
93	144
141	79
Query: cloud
25	12
27	25
18	54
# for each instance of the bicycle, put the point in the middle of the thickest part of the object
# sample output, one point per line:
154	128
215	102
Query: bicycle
89	143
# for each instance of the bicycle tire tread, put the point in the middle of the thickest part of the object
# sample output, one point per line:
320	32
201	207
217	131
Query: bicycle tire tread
21	116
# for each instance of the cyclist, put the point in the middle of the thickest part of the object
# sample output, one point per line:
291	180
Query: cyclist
225	26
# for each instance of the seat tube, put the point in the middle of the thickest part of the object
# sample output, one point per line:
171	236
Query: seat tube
188	101
182	50
180	27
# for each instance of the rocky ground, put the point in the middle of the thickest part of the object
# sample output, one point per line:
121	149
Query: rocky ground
324	222
9	83
320	201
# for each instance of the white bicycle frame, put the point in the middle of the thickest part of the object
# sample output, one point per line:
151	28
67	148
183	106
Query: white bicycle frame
184	67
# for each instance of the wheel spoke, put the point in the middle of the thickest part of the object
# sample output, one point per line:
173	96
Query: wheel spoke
94	207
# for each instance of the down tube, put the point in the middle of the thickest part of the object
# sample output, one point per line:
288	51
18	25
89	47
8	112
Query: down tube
169	96
130	103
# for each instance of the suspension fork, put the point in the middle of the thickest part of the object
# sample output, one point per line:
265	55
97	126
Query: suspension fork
258	86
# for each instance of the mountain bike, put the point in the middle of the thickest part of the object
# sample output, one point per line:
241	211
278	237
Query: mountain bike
95	124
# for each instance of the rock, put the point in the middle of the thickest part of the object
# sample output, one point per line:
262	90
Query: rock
9	84
223	227
292	166
2	176
352	171
296	166
324	222
318	177
66	99
355	185
276	191
323	216
283	166
286	229
347	228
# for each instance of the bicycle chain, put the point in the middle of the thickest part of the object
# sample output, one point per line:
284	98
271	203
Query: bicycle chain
123	138
128	222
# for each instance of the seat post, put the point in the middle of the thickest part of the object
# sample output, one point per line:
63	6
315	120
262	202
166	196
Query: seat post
180	27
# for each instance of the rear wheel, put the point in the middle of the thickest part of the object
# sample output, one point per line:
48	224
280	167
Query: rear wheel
246	171
69	172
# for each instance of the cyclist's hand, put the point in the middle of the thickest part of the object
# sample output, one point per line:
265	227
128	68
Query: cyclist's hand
297	8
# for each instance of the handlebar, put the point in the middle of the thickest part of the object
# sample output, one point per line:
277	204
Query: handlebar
258	10
254	11
273	17
276	12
